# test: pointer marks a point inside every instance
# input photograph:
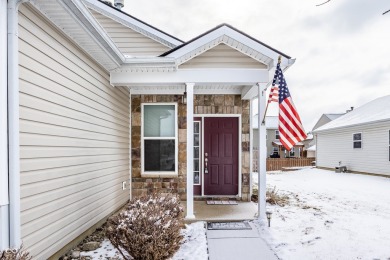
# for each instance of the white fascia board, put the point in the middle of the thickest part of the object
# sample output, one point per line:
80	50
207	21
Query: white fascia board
133	23
199	76
346	127
202	41
256	46
83	9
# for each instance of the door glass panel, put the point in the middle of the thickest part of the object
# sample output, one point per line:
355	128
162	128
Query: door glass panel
196	139
196	164
196	178
196	127
196	153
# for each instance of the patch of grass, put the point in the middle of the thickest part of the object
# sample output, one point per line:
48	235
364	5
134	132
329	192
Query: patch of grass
273	197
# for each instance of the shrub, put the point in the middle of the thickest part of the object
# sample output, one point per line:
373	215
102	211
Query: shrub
149	228
15	254
274	198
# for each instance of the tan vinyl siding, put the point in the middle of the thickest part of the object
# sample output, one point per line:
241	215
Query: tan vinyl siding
74	138
129	41
337	145
222	56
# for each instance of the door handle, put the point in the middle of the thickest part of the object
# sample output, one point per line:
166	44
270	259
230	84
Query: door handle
205	163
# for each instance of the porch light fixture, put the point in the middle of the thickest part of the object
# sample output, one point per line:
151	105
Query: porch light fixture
269	215
184	97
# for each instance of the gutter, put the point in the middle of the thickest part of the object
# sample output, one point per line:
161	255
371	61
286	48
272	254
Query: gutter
4	196
319	130
13	124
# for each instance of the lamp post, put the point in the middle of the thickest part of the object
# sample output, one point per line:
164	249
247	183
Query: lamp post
269	215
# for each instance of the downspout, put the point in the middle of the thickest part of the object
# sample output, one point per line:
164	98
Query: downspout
4	196
13	123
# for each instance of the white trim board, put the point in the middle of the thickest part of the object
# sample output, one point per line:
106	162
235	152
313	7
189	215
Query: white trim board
198	76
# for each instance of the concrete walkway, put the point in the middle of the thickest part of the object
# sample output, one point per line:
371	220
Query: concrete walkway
204	212
238	244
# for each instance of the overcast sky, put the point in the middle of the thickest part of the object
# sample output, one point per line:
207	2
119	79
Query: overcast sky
342	48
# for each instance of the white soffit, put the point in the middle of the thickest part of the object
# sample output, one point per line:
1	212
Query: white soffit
73	18
134	23
179	89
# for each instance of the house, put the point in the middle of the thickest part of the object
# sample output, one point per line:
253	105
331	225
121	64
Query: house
102	106
274	146
358	140
310	145
326	118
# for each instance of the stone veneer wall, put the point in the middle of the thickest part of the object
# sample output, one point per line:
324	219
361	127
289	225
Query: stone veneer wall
203	104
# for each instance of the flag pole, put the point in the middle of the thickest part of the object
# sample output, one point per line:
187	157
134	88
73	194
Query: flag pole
266	108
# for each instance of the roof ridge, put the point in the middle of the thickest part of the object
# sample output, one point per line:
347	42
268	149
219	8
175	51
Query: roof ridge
217	27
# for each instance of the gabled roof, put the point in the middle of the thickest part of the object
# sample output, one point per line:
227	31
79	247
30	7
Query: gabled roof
217	27
326	118
377	110
333	116
134	23
232	37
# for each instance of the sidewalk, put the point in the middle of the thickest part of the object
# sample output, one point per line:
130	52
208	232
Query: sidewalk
238	244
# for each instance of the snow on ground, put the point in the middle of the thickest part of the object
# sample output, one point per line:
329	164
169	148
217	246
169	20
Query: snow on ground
105	251
332	215
194	246
195	243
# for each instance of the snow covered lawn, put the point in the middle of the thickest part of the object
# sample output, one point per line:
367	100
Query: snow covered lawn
331	215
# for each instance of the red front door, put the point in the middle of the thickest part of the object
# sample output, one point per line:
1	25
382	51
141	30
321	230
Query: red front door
221	153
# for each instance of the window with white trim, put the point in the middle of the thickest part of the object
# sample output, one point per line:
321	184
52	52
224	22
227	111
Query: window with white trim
159	138
357	140
277	136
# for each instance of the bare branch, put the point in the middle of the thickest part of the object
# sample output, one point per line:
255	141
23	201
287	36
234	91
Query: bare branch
386	12
323	3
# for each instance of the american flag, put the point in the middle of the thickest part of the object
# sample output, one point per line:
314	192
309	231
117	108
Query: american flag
290	127
273	94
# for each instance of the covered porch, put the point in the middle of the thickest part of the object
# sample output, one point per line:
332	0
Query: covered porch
198	96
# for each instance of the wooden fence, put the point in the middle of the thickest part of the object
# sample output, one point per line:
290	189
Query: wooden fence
276	164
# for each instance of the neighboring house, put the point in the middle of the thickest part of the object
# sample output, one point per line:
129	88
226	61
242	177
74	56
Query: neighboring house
358	140
324	119
311	151
98	100
274	146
